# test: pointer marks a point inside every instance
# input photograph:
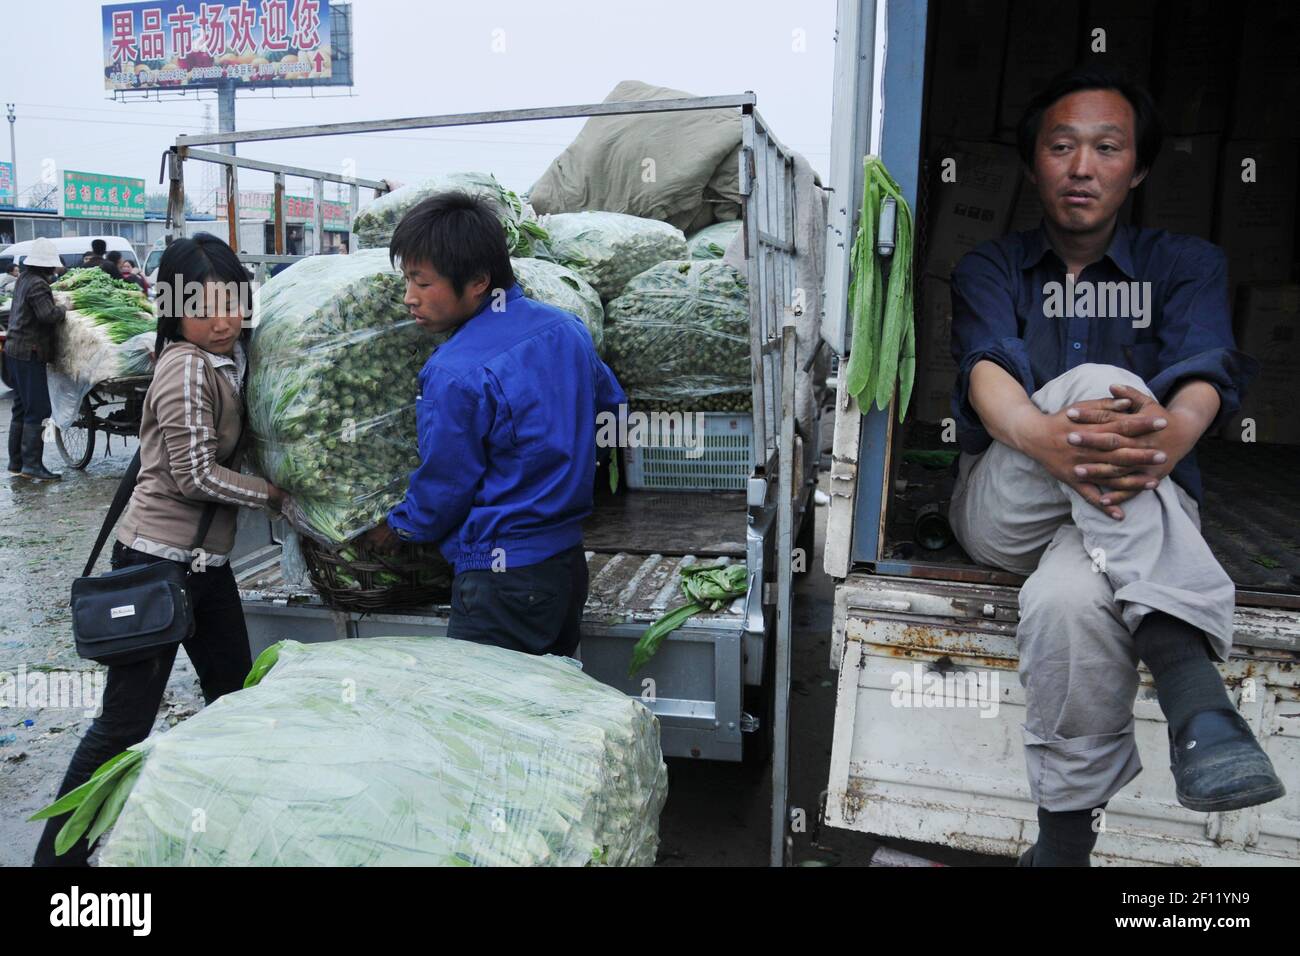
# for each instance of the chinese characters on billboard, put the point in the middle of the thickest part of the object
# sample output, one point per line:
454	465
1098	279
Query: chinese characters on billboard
183	43
94	196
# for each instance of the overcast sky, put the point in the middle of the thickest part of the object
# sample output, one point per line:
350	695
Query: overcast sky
426	58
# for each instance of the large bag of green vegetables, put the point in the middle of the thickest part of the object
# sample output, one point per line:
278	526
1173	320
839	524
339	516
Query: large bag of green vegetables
334	374
102	314
609	248
563	288
374	226
678	338
389	751
711	242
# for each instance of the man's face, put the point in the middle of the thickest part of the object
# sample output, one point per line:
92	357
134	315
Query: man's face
1085	160
433	302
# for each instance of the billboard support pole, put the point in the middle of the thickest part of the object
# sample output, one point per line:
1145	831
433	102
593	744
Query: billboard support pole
226	113
13	152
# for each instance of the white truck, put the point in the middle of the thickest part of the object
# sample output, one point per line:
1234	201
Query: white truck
715	681
906	614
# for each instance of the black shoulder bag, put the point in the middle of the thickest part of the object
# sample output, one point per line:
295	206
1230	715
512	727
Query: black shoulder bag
129	614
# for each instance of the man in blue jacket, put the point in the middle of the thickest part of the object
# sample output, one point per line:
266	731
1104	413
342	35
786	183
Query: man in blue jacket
507	433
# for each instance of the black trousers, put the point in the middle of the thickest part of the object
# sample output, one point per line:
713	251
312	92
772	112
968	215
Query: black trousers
133	692
31	402
536	609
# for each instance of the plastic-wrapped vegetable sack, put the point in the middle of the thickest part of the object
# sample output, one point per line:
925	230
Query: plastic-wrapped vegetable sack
555	285
711	242
678	338
335	365
609	248
374	226
444	753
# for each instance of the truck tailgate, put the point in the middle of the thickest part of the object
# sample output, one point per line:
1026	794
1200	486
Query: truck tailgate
928	743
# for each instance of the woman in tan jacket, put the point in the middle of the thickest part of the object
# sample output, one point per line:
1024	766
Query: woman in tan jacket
190	449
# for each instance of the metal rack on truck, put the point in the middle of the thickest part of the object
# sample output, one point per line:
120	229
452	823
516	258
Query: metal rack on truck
720	682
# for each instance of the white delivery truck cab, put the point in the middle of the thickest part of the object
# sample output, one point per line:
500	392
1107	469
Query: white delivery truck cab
914	615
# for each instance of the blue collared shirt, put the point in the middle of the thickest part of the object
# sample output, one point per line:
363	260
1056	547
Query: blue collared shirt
1000	300
507	432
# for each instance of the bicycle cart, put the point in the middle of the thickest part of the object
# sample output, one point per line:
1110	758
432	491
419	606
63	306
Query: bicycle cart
114	407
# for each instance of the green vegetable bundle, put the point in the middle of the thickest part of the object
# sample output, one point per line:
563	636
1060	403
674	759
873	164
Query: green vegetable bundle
102	334
334	376
678	338
609	248
444	753
119	307
883	350
711	242
707	588
374	226
555	285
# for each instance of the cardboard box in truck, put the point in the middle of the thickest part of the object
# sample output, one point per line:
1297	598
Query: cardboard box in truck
968	61
1268	329
1255	218
975	207
935	369
1268	72
1117	34
1178	195
1041	42
1193	78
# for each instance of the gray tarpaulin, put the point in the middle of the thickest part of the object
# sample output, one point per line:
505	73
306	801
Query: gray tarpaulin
693	178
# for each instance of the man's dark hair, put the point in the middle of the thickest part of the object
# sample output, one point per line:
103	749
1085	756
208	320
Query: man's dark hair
114	257
458	235
1146	121
98	246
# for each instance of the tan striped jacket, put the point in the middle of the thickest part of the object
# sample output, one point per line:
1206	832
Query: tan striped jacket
191	421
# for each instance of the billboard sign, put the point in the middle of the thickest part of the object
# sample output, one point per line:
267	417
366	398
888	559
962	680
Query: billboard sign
7	197
180	44
254	204
96	196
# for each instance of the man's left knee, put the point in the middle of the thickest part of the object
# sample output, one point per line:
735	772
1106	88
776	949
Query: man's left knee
1085	382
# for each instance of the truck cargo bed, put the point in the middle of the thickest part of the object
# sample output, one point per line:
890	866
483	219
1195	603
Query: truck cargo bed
1250	517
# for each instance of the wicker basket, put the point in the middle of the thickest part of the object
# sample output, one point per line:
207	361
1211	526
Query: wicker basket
415	575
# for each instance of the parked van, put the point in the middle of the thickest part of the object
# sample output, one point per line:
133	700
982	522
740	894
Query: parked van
71	250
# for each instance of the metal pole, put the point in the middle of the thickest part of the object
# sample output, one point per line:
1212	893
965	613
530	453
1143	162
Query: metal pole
318	217
784	584
226	113
13	150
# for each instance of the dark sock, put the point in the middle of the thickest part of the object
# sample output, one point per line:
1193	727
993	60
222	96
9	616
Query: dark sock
1178	656
1065	837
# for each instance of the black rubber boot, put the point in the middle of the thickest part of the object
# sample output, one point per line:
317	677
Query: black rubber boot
15	445
1219	765
33	457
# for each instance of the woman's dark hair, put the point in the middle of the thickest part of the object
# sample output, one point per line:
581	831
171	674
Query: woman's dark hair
203	258
458	235
45	272
1146	123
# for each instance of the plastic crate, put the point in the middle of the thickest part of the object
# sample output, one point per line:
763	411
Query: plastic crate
723	464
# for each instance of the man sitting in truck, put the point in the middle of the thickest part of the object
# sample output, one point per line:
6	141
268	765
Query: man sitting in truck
1092	356
507	433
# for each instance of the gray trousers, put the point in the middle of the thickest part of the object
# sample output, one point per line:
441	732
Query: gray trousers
1091	581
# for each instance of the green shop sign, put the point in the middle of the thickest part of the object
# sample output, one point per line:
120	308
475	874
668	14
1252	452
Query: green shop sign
95	196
